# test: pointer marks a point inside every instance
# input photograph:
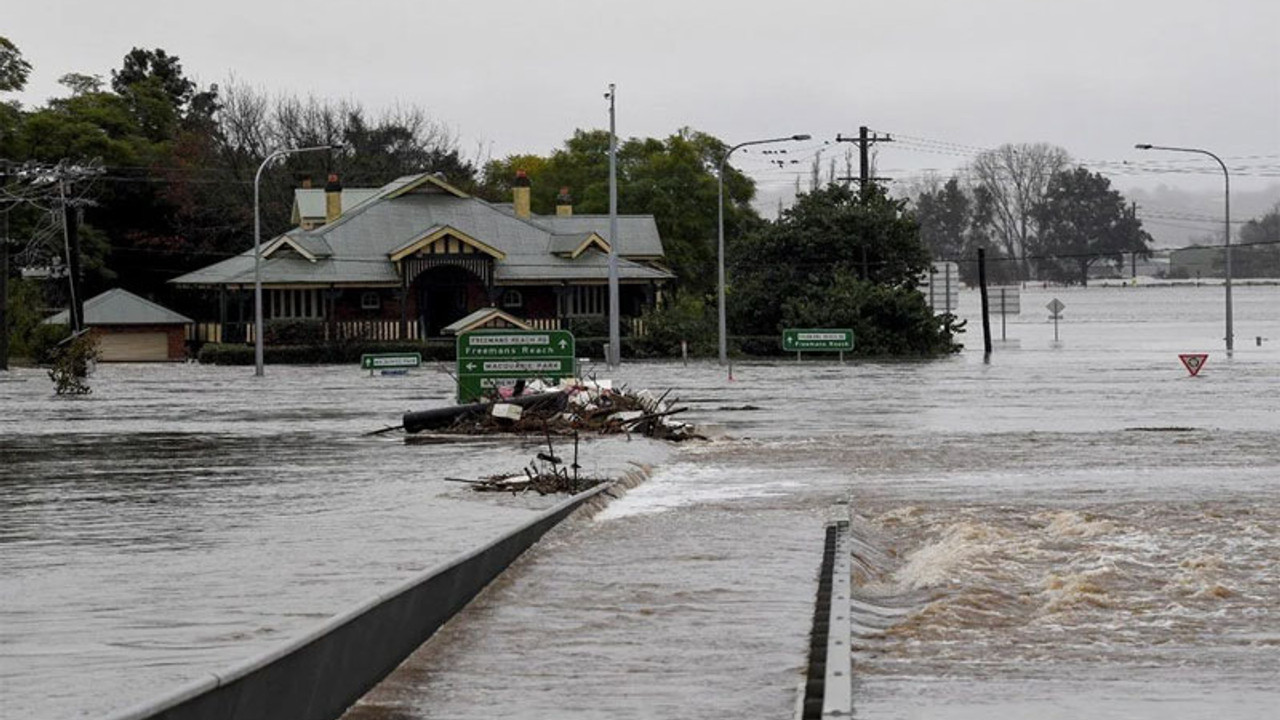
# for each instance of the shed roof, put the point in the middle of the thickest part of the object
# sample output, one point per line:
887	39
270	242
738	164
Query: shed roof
121	307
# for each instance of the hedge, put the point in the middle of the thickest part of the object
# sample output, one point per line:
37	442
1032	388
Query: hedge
320	354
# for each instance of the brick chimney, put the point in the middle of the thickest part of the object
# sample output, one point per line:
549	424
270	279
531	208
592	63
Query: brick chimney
564	202
332	199
520	192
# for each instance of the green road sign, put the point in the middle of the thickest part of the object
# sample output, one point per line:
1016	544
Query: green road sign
390	361
817	339
491	358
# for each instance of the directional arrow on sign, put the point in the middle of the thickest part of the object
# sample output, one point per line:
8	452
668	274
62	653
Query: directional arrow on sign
471	366
563	344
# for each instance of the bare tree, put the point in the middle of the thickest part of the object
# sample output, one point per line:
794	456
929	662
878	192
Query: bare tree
1015	177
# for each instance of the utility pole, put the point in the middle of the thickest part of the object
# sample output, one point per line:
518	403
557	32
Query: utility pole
1133	257
71	241
864	140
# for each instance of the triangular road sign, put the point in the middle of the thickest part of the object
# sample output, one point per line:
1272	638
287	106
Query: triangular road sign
1193	362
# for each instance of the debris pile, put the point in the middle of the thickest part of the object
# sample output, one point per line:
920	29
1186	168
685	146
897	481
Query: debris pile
545	475
569	408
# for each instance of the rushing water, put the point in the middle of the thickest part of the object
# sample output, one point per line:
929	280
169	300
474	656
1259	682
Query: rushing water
1074	529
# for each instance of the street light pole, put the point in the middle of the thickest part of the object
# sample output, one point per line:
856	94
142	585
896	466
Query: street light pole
724	340
1226	234
615	333
257	249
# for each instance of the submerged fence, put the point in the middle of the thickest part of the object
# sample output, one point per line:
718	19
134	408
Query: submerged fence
318	676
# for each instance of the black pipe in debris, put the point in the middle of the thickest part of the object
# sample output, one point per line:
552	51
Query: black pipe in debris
436	418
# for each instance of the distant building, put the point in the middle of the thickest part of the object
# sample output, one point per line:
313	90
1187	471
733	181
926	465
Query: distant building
408	259
129	328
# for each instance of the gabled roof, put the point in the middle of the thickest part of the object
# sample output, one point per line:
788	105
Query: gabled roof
311	248
121	307
438	234
485	317
575	244
364	244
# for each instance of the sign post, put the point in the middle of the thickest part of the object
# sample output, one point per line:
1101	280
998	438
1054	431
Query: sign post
1055	307
941	286
800	340
1008	301
488	359
390	363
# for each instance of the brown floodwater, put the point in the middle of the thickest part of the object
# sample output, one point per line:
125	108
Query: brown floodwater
1072	530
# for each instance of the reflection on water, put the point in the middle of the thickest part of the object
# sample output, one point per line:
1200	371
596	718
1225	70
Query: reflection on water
1069	531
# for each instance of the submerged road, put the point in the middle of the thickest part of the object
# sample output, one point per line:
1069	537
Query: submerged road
1072	530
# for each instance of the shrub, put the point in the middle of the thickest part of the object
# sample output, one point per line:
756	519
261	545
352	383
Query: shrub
686	317
293	332
71	365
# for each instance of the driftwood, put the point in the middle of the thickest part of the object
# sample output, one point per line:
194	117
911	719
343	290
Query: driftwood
546	475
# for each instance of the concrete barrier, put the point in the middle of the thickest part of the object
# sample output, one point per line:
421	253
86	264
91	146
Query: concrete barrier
318	676
828	688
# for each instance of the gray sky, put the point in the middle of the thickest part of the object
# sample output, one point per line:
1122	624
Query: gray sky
1094	77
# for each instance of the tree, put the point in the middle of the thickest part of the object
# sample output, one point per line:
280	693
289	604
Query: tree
81	84
674	178
1016	177
1082	220
955	220
1258	254
839	258
14	69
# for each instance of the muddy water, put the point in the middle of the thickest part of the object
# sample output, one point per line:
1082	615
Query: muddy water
1076	529
182	519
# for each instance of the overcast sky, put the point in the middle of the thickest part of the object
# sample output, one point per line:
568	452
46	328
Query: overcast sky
942	76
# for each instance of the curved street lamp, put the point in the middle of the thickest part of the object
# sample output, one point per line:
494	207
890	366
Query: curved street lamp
724	346
1226	234
257	249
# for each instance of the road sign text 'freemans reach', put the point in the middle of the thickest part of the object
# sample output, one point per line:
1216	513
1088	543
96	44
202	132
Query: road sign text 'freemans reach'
489	359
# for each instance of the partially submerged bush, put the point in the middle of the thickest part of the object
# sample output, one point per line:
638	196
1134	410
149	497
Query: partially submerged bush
71	361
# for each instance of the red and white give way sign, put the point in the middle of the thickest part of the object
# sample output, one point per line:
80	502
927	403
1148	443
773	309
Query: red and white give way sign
1193	362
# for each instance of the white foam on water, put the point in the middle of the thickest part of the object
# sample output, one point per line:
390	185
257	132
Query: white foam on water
683	485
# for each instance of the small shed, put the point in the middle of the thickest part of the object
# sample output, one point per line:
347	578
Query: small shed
486	319
129	328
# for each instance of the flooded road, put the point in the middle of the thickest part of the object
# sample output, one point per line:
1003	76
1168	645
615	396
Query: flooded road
1075	529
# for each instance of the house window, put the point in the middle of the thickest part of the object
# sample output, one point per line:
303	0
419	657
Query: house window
583	300
295	304
370	301
512	299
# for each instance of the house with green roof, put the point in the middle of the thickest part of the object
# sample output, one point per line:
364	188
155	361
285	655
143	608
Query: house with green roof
408	259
